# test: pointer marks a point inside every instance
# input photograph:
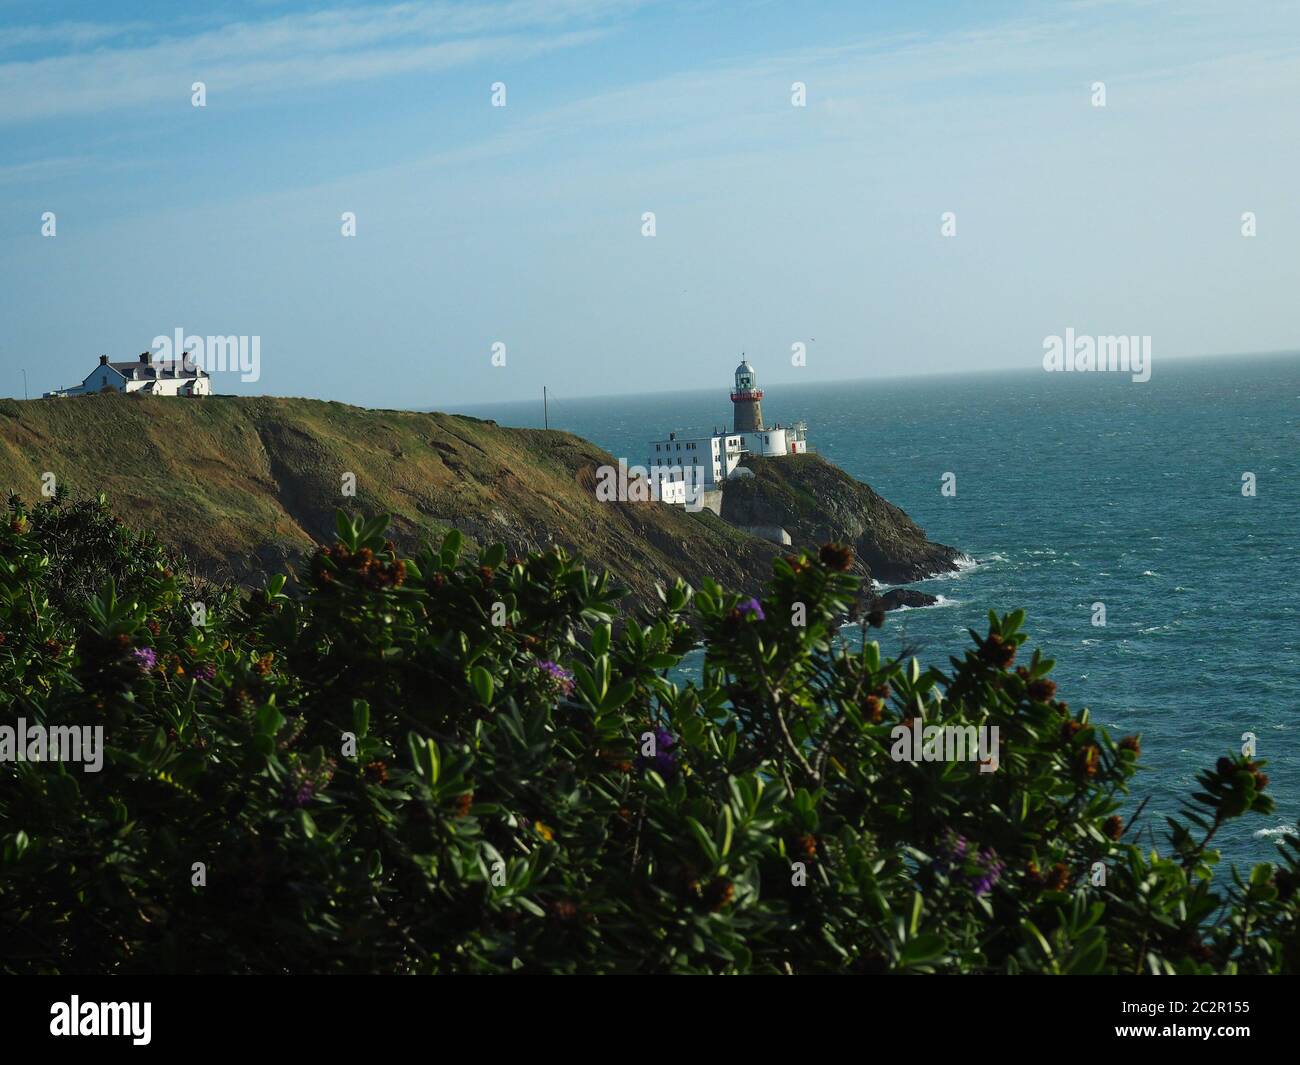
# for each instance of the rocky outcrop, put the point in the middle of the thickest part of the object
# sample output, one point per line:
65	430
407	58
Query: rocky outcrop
815	502
897	598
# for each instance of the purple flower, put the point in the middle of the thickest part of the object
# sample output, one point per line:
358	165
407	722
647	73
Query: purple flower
991	869
145	658
987	873
302	796
953	852
561	679
980	871
752	608
664	761
206	671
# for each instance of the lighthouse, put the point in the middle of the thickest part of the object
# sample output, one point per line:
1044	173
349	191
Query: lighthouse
748	400
713	460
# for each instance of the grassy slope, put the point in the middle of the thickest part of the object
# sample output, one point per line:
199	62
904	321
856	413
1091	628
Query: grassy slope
241	485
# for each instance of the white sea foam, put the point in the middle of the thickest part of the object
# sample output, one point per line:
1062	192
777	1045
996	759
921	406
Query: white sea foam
1278	834
965	565
940	600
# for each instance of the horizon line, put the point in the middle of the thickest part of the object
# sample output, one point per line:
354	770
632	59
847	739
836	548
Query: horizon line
921	375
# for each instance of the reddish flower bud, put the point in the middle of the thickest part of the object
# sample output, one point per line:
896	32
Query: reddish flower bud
837	556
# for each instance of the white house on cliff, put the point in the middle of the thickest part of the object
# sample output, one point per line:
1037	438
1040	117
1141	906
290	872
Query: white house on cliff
156	377
716	458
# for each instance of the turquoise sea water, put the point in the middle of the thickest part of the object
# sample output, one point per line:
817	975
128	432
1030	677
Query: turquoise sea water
1074	489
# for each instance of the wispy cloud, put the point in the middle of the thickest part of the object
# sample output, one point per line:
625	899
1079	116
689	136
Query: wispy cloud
59	35
283	53
42	169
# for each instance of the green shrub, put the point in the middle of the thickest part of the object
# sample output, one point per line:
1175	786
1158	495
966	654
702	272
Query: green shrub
444	765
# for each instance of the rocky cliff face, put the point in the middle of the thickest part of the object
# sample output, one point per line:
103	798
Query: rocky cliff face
815	501
243	486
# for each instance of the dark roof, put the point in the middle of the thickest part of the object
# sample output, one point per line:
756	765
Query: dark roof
168	368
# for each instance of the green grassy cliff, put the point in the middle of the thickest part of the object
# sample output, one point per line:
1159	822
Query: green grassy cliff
243	485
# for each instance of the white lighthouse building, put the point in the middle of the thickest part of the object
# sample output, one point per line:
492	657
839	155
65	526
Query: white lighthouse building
713	459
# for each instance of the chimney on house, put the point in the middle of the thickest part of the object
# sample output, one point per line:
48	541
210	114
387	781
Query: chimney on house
146	357
103	360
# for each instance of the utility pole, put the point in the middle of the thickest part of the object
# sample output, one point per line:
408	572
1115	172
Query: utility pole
546	417
24	384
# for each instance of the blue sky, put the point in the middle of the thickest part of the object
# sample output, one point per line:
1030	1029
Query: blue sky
522	225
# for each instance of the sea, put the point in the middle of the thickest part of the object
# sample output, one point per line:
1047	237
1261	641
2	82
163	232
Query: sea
1173	503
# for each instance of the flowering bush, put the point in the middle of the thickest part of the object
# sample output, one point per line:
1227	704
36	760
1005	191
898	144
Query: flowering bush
447	764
